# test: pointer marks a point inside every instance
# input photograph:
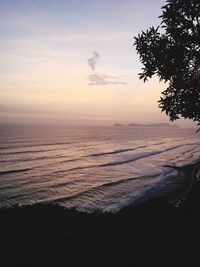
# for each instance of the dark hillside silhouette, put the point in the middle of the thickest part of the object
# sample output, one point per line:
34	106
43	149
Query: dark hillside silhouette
172	52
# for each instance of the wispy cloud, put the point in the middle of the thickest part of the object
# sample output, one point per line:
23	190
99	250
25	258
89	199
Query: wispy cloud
102	79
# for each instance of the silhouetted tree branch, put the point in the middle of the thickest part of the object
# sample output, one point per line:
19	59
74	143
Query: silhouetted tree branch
172	52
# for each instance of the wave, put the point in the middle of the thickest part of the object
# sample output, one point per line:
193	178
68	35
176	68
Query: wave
115	151
76	168
105	185
61	185
40	158
142	155
38	145
27	152
15	171
69	160
136	157
133	158
25	160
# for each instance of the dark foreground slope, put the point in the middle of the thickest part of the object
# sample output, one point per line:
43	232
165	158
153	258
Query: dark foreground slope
154	233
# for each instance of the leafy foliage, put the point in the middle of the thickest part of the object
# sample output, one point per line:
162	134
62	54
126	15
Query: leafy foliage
172	52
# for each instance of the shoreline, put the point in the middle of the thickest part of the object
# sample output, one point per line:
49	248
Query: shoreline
152	232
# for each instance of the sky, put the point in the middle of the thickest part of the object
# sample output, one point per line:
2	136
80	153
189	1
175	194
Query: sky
73	61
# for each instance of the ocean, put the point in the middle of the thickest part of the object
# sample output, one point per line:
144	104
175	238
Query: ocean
92	168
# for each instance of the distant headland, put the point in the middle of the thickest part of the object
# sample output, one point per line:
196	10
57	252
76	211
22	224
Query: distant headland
146	125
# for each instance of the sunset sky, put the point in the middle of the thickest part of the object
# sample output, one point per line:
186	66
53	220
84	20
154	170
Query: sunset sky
70	61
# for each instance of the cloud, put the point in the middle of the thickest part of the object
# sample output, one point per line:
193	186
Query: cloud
102	79
93	60
99	78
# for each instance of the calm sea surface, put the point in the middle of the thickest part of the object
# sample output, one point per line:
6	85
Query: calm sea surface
91	168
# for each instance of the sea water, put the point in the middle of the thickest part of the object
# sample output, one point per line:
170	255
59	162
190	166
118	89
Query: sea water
92	167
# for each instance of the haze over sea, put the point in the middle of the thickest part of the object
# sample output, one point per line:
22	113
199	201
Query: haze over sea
91	167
